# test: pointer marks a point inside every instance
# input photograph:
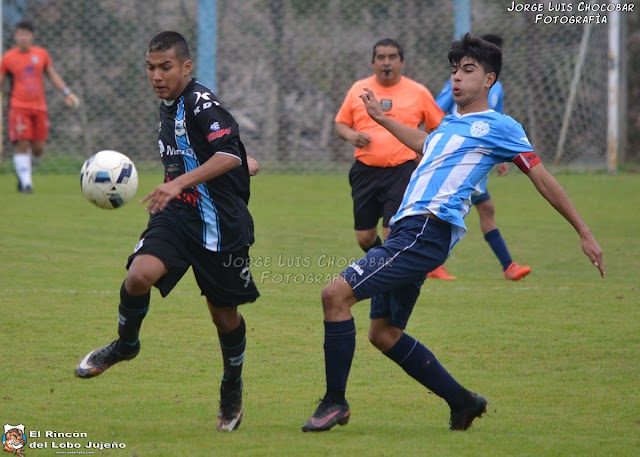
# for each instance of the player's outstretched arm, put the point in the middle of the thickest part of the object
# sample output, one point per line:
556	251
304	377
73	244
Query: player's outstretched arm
550	189
412	138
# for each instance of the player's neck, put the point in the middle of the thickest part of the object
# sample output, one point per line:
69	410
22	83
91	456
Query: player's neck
476	106
25	48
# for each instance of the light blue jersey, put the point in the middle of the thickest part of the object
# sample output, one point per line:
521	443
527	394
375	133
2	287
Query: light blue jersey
458	156
446	103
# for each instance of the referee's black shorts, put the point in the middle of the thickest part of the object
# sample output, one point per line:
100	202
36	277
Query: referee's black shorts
223	277
377	192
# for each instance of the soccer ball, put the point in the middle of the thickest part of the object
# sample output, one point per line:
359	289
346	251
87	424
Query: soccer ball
109	179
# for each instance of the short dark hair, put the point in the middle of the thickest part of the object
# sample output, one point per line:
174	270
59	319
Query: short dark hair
493	39
486	54
24	25
166	40
388	42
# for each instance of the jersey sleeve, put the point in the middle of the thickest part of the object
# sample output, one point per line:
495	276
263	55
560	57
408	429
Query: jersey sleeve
216	123
4	65
431	112
496	98
517	146
345	113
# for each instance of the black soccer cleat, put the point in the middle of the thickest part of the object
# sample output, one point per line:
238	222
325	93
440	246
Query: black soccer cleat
231	409
475	406
327	415
98	360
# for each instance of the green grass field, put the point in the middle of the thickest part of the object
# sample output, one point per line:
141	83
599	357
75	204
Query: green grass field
556	354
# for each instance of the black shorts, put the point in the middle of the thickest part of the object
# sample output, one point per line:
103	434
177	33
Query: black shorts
223	277
377	192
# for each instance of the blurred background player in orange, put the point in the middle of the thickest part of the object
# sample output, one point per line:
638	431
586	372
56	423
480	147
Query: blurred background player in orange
383	165
483	203
28	119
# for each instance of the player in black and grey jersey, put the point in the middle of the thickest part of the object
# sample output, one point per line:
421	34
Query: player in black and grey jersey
194	128
198	218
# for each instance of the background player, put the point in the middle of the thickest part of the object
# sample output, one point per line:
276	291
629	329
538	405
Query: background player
457	158
199	219
383	165
483	203
28	119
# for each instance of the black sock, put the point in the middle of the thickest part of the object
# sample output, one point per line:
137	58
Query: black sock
131	312
376	243
420	363
233	346
339	347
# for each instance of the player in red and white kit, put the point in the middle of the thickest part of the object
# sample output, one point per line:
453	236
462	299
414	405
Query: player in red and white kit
24	66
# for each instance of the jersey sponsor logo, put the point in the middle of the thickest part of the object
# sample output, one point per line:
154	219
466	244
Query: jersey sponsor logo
174	168
479	128
204	106
357	268
171	151
218	134
215	126
207	104
386	104
189	196
204	96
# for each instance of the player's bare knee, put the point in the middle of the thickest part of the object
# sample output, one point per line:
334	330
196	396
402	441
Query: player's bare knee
376	338
138	282
226	320
383	335
337	298
366	238
329	297
487	209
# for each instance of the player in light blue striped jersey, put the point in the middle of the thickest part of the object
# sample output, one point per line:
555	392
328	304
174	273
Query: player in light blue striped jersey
456	160
483	203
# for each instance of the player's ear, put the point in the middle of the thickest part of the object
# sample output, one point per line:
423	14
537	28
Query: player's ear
187	66
490	79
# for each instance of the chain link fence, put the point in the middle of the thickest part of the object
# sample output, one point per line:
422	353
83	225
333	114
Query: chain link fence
284	66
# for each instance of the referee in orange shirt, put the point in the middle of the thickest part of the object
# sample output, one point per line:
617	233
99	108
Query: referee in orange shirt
24	66
383	165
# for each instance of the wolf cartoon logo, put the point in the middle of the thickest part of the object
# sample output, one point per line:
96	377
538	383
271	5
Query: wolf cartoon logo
14	439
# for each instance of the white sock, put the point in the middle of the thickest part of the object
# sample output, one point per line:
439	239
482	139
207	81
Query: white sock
22	164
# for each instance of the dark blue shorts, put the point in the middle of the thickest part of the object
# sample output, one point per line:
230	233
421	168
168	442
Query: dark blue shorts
392	274
477	199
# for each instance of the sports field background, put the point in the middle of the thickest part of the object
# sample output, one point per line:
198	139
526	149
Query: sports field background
556	354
